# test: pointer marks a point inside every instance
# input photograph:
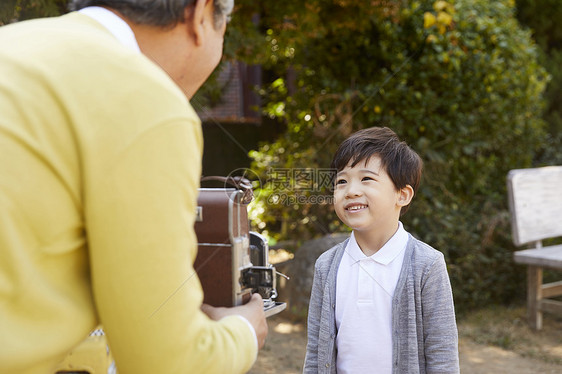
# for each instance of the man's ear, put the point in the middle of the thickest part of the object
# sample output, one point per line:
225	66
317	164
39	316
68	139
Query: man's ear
406	194
194	16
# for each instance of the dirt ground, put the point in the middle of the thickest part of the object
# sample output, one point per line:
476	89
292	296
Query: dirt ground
496	340
491	342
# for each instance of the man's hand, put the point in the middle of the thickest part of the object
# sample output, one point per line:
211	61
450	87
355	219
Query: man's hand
252	311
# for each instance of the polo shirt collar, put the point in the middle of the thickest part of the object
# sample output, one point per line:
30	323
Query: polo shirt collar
392	248
114	24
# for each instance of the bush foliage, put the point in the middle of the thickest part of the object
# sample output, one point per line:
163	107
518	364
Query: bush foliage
19	10
543	16
459	81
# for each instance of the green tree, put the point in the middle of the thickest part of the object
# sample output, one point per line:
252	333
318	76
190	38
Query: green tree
19	10
458	80
543	16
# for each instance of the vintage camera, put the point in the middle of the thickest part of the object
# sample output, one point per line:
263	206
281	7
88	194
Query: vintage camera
232	262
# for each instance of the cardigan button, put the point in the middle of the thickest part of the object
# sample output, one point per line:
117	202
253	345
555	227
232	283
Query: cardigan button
327	365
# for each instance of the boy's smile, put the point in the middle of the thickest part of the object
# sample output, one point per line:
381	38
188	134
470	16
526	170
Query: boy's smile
366	200
354	207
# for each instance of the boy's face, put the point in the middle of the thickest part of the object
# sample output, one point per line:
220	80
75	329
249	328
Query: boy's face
365	198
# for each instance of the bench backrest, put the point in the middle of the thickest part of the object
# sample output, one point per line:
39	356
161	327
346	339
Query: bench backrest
535	203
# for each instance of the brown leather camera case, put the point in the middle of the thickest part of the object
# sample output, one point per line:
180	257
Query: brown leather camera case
222	230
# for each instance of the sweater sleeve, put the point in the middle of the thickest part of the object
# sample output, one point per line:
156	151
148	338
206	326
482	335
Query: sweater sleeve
140	212
314	314
440	328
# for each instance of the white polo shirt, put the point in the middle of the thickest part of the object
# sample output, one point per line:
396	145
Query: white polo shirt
114	24
364	291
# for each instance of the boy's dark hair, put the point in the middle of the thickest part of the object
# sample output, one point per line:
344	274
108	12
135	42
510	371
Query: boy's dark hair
402	164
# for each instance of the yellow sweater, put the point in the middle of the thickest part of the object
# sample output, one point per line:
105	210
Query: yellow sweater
100	158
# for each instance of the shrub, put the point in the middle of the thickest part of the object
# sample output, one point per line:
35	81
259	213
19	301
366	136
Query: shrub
19	10
459	81
543	16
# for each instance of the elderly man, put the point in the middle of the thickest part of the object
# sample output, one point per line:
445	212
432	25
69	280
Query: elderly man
100	160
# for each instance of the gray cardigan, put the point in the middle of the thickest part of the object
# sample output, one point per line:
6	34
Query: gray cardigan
424	335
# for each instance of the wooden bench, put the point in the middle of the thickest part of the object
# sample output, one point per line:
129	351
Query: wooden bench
535	203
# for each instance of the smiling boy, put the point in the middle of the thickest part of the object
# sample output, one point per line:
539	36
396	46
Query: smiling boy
381	301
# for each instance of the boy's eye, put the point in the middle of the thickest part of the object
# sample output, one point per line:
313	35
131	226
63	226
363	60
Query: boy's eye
367	179
341	181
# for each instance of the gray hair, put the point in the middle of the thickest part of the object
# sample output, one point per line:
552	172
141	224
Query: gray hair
163	13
